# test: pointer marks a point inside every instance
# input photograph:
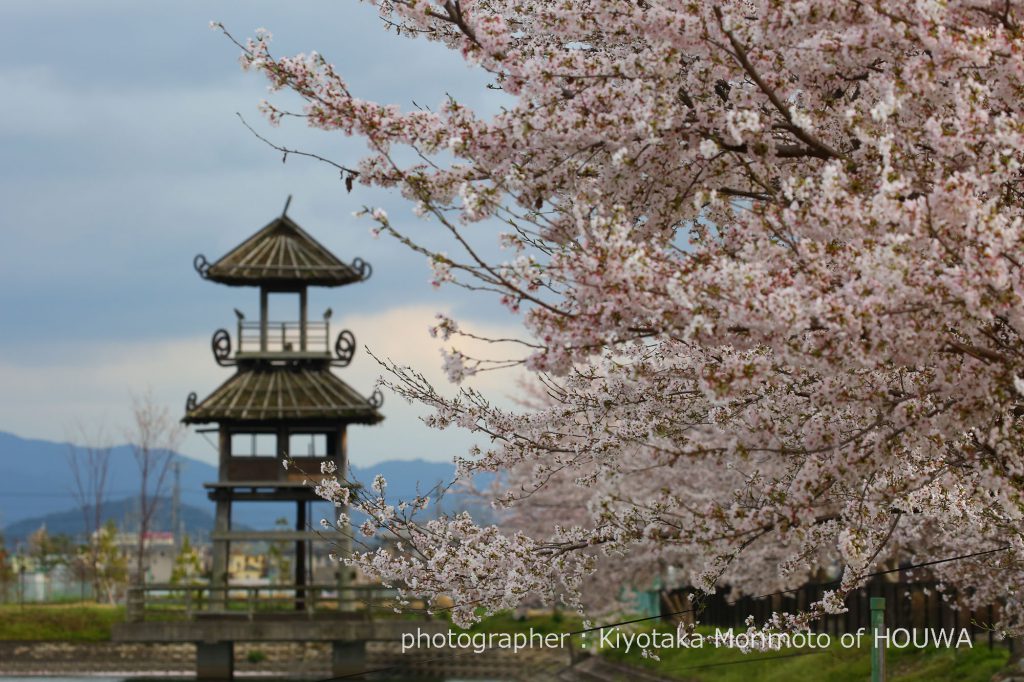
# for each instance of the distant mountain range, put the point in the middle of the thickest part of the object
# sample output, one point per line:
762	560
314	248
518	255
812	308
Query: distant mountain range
197	522
36	487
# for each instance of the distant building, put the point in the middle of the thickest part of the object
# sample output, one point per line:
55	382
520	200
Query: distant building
247	569
160	552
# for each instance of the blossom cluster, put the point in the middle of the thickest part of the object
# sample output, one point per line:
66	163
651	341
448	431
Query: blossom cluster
768	261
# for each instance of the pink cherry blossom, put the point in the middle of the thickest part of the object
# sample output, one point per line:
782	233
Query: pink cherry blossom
768	262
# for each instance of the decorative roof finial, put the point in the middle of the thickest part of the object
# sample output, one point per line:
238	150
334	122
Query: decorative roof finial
286	205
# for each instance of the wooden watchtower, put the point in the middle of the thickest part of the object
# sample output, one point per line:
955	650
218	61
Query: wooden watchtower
283	400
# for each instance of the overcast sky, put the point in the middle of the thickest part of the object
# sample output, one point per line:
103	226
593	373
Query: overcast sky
122	157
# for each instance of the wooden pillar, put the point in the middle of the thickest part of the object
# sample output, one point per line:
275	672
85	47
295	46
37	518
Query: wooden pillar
346	597
348	658
222	524
263	318
300	557
224	441
221	551
302	319
283	437
343	451
215	660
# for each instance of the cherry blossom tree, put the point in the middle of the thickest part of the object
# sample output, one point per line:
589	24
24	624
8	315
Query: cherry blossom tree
767	258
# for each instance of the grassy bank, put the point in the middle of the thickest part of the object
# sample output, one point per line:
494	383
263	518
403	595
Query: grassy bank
67	622
93	622
834	664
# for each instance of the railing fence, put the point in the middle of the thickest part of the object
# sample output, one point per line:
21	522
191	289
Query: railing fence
909	605
188	602
284	336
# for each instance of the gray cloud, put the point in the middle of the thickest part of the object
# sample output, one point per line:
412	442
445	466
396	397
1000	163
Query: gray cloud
121	157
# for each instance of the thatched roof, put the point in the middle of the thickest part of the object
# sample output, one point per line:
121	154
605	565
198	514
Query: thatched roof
275	392
282	253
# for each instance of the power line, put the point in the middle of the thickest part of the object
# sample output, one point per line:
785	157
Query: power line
22	493
752	659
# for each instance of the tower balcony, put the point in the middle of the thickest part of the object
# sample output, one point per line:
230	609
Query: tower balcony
284	337
283	340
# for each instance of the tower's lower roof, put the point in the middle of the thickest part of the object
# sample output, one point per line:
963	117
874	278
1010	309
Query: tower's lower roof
270	392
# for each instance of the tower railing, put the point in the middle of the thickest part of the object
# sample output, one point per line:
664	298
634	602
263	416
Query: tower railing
253	602
284	337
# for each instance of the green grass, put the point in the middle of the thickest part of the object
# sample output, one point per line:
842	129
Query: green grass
834	664
67	622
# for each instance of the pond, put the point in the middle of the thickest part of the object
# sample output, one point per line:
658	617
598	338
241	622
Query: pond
239	676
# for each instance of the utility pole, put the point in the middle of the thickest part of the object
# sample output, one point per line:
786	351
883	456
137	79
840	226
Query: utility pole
176	520
877	633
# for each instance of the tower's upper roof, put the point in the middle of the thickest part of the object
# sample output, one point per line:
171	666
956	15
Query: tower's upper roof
282	253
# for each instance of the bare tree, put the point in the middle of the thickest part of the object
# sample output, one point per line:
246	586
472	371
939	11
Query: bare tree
6	571
154	437
89	462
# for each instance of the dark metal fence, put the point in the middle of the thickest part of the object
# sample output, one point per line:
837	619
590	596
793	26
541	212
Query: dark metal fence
909	605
